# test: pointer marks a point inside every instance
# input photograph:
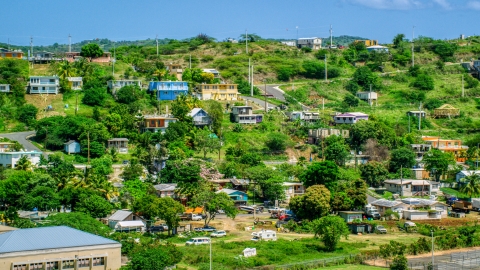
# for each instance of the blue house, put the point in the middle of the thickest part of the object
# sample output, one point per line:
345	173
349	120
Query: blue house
168	90
71	147
236	195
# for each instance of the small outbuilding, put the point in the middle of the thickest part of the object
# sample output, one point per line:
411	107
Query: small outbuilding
71	147
236	195
130	226
446	110
350	216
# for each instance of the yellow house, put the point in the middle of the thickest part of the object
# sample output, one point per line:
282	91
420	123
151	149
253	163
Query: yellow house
217	92
57	248
4	53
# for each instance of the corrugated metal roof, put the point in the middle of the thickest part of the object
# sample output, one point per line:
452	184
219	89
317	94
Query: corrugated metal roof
385	203
120	215
131	223
166	187
194	111
229	191
49	238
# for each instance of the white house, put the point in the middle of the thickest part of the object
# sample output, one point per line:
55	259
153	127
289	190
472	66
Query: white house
43	85
413	208
304	116
117	84
291	43
417	113
293	189
313	43
316	135
200	117
4	88
166	190
75	83
377	48
349	118
71	147
411	187
244	115
369	97
465	173
10	159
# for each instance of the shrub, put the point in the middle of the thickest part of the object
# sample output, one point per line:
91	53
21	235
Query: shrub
432	103
95	96
285	73
27	113
424	82
306	49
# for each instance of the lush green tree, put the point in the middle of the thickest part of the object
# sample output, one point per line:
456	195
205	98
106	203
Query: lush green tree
134	190
184	172
365	78
277	142
445	50
364	130
91	50
27	113
215	111
129	94
321	173
206	142
374	173
315	203
398	39
147	206
24	164
399	263
95	96
351	101
132	171
402	157
437	162
472	186
169	211
79	221
336	150
424	82
94	205
42	198
251	159
285	73
155	258
268	180
330	229
212	202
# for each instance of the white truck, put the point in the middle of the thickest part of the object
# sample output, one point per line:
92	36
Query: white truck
265	235
476	204
371	212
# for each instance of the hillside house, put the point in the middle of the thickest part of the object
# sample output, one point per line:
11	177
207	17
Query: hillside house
175	70
448	146
75	56
122	215
304	116
377	48
422	114
216	73
420	150
236	195
244	115
6	146
368	42
75	83
413	208
315	136
5	53
462	174
10	159
349	118
120	144
411	187
350	216
4	88
200	117
168	90
44	85
115	85
166	190
71	147
293	189
43	57
290	43
369	97
313	43
217	91
156	123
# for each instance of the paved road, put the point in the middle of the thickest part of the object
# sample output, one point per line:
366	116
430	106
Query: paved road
259	102
21	137
278	93
371	199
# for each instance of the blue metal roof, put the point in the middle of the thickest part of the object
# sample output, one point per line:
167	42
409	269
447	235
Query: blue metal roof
49	238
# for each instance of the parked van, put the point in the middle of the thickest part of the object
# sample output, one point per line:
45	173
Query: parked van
265	235
198	241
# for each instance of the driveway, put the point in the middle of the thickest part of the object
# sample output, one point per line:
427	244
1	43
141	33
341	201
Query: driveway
21	137
278	93
259	102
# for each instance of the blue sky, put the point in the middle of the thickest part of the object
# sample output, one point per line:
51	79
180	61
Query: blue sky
52	21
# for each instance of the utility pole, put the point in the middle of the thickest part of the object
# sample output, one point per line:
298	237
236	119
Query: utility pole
88	147
156	40
413	45
401	180
420	117
8	47
433	260
251	84
408	123
331	37
246	41
249	81
113	61
326	71
297	32
266	107
190	62
323	103
31	48
76	103
463	88
69	43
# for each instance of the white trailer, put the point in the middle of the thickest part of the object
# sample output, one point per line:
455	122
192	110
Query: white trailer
265	235
476	204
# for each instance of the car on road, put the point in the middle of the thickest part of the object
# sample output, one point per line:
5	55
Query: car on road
218	234
196	217
380	229
205	228
198	241
156	229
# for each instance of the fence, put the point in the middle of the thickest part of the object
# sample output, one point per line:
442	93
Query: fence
454	261
340	260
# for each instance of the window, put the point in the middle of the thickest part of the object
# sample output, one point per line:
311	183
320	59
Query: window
83	263
152	123
68	264
14	55
98	261
36	266
20	267
52	80
35	88
51	266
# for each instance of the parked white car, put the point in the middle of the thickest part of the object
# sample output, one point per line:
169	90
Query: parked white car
196	217
218	234
198	241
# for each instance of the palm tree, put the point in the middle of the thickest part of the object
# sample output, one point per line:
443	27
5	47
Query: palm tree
472	188
65	70
24	164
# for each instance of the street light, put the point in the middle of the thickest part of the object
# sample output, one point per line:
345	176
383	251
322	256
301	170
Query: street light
433	261
210	253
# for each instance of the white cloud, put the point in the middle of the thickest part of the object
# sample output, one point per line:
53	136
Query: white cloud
443	3
389	4
474	5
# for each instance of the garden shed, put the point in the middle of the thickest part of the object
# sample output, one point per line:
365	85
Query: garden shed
446	110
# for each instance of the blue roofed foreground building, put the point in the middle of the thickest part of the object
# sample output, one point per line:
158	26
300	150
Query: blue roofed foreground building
168	90
58	247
